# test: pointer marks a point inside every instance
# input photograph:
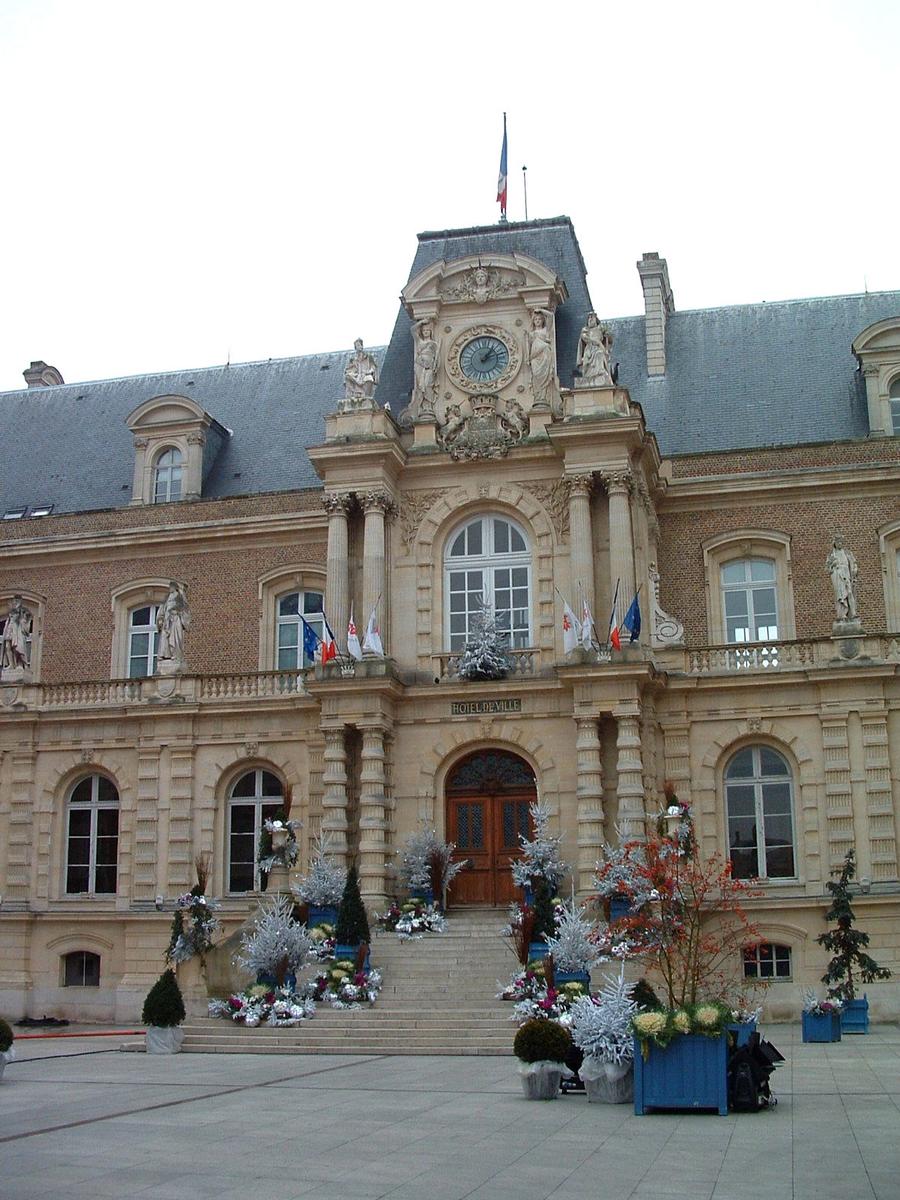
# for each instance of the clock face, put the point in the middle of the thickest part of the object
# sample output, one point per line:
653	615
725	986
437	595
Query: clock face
484	359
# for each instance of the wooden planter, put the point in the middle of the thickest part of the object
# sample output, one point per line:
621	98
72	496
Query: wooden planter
691	1072
855	1016
821	1027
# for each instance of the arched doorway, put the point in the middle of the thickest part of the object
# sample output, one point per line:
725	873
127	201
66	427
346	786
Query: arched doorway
487	796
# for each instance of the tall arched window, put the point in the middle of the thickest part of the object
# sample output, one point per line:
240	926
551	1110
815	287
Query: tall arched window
167	476
293	610
254	796
894	397
92	838
760	807
487	563
749	600
142	641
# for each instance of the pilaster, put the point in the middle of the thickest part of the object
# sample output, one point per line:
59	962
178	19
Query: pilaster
337	579
335	799
619	486
589	794
630	771
372	818
580	536
882	834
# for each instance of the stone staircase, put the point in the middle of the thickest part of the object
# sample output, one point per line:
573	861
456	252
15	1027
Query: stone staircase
438	998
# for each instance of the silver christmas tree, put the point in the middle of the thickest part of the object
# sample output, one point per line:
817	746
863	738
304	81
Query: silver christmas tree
540	854
277	944
573	948
324	885
601	1026
486	654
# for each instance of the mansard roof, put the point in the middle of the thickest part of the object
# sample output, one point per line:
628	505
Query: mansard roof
742	376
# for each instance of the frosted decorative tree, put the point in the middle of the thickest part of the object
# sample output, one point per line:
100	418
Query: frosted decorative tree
540	854
486	654
277	945
573	948
425	862
601	1026
324	885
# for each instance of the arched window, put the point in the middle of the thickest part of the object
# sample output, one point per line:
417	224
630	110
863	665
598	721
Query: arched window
92	840
81	968
142	641
255	796
487	563
759	804
894	397
167	476
293	609
767	961
749	600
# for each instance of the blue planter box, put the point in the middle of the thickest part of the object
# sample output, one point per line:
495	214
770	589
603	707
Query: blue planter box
350	952
691	1072
290	981
538	951
742	1031
821	1027
322	914
619	907
426	895
855	1016
584	977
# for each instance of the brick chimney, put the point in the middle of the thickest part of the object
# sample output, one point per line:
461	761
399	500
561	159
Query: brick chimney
658	304
40	375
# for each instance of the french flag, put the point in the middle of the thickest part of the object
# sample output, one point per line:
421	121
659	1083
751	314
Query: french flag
501	181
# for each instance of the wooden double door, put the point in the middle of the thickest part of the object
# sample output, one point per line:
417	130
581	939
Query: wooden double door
488	796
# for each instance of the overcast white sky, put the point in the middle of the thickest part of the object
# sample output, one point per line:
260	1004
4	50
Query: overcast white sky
188	181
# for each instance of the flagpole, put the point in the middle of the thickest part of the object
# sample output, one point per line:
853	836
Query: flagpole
525	186
612	615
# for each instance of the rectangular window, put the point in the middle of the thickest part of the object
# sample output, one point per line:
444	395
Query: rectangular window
245	828
767	962
142	634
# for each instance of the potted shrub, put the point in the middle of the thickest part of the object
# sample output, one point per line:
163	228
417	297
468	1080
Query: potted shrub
7	1053
850	962
426	866
573	947
540	856
541	1048
821	1019
276	946
601	1029
163	1013
352	931
322	888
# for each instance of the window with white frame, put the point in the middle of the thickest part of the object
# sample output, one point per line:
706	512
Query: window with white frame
81	968
167	473
759	805
92	837
487	563
293	609
749	600
894	398
142	633
767	961
255	796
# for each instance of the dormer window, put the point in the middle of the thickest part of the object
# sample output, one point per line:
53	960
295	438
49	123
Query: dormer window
167	476
878	351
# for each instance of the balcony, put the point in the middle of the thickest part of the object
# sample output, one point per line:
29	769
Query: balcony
768	658
525	664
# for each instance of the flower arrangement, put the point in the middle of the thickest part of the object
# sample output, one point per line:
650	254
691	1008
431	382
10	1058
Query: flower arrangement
195	938
818	1008
661	1025
323	943
264	1005
412	919
527	984
286	852
324	885
549	1003
540	855
343	986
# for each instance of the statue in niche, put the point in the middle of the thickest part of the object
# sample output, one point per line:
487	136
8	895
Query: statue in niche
842	567
14	638
360	376
425	364
173	620
594	345
540	355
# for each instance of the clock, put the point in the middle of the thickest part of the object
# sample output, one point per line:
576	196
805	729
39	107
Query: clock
484	358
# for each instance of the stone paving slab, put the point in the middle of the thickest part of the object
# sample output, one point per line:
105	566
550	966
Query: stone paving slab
80	1120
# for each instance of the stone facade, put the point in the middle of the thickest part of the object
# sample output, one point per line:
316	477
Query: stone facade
367	750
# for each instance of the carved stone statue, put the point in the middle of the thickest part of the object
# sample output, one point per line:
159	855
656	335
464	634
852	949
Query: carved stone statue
425	365
540	355
841	566
514	420
14	637
594	345
360	376
452	425
173	620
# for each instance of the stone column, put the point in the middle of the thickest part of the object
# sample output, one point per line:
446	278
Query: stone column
590	800
372	821
581	541
376	506
630	770
621	545
334	798
337	580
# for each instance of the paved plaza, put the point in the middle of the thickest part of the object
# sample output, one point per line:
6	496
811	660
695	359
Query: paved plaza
80	1119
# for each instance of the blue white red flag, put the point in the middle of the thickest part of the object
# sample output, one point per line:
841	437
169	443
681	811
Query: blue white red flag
501	181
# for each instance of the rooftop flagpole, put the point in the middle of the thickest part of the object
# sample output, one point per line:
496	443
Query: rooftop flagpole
501	179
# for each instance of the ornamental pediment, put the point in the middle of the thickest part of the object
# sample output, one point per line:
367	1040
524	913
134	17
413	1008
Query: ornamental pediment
483	279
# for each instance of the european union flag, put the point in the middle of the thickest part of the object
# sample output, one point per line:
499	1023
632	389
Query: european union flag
632	620
310	639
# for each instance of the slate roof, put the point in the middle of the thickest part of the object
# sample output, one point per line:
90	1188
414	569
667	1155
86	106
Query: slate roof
759	374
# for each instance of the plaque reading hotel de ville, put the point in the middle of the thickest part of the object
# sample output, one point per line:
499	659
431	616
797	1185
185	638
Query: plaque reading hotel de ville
480	708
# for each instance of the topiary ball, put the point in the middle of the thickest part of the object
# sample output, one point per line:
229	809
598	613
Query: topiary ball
542	1041
6	1036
